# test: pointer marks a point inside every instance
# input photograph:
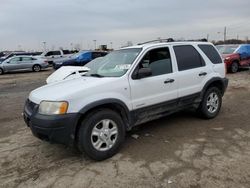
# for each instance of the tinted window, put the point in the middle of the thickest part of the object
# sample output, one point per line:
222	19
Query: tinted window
49	54
56	53
158	60
66	52
211	53
188	57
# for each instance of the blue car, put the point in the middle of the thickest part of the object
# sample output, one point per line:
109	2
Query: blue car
80	59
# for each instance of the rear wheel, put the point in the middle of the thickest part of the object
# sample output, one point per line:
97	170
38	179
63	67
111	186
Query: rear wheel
211	103
101	134
234	67
36	68
1	71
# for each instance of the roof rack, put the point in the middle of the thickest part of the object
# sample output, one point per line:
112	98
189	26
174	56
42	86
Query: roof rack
157	40
172	40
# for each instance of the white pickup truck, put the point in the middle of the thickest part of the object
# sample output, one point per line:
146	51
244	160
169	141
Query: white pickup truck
55	56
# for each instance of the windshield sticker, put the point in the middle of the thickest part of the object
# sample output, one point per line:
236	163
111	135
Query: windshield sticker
123	66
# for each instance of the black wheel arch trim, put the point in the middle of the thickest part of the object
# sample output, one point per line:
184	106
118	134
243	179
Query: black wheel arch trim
223	82
124	111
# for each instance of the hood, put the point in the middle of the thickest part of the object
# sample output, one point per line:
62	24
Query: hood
225	55
66	72
66	89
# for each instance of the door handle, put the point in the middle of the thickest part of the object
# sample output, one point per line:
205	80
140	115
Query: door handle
203	74
169	80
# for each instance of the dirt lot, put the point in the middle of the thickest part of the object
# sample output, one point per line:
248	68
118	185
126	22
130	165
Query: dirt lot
177	151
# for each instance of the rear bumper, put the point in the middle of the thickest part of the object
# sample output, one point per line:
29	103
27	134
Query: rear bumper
225	84
52	128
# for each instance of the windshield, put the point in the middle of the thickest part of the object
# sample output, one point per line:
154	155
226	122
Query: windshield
114	64
227	49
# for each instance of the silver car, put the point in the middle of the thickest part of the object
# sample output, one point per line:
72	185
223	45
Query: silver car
17	63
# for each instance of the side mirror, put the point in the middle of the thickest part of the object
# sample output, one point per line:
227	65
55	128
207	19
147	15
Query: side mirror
144	72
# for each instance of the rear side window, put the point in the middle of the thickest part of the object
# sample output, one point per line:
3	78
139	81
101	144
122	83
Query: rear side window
26	58
188	57
211	53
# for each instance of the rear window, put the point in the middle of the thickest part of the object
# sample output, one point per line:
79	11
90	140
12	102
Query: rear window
188	57
211	53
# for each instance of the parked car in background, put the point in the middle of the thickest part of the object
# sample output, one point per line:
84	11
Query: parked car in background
52	56
72	72
80	59
18	63
235	56
11	54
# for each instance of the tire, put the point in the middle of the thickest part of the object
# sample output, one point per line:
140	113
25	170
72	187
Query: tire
234	67
36	68
98	129
211	103
1	71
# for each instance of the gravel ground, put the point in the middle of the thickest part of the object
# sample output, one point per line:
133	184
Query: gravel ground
177	151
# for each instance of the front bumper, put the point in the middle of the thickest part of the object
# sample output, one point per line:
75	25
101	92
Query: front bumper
52	128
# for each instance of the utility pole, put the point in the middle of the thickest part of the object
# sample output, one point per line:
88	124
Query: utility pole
94	44
44	46
225	34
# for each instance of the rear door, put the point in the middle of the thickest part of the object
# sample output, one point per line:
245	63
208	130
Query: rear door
192	71
26	62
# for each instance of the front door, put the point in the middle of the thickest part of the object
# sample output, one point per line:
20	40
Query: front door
154	94
13	64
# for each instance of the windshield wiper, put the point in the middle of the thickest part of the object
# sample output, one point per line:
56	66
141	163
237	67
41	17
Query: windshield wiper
96	75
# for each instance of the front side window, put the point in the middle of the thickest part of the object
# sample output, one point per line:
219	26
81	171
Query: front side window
15	60
115	64
158	60
187	57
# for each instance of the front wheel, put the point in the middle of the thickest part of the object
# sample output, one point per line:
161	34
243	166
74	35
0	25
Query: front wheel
211	103
234	67
1	71
101	134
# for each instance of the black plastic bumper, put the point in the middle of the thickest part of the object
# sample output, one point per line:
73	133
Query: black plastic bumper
52	128
225	84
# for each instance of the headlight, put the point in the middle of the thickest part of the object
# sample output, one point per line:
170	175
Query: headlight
53	107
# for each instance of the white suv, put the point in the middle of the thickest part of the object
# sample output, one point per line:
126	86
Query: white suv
129	87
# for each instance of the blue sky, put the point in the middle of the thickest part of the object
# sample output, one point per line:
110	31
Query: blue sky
27	23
